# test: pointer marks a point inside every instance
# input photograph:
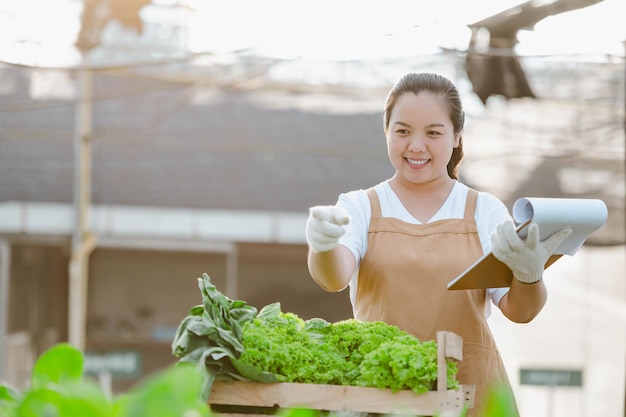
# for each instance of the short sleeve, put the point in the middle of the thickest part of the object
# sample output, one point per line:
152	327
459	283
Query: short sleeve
357	205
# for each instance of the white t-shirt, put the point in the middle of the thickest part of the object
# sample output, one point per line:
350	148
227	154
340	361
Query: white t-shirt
490	212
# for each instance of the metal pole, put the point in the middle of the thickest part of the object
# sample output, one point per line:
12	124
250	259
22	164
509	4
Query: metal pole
551	401
5	269
82	241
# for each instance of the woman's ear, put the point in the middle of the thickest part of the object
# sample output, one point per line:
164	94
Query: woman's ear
457	140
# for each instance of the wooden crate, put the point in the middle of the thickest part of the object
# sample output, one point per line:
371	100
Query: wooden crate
441	402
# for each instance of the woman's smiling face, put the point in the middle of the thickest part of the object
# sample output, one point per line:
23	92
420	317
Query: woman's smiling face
420	138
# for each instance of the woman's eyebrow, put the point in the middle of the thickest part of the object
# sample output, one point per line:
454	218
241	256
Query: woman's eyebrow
401	123
408	125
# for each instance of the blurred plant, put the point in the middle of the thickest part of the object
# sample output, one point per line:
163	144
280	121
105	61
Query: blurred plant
58	389
499	402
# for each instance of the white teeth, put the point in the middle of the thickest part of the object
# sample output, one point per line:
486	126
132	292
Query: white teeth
417	161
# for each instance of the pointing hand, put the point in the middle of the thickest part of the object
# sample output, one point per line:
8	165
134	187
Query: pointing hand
325	226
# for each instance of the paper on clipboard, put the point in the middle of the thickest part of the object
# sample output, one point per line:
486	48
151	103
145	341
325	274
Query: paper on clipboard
584	216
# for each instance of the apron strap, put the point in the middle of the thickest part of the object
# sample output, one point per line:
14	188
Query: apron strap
374	202
470	204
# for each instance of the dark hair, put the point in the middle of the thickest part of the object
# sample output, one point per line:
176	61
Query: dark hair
441	86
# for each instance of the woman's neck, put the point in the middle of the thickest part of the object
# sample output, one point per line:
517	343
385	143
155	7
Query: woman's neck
430	189
423	201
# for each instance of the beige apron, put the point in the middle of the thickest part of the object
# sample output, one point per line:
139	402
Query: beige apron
403	281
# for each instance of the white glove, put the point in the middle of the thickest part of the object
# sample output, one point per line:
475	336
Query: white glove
324	227
526	259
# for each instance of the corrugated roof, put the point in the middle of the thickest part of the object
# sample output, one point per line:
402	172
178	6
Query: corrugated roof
238	149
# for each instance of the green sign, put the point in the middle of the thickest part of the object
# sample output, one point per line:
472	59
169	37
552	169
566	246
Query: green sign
125	364
552	377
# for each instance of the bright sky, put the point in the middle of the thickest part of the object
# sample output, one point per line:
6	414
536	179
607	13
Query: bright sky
315	30
328	29
346	29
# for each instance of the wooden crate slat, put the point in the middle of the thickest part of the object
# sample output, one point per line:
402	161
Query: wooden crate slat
335	397
453	347
449	345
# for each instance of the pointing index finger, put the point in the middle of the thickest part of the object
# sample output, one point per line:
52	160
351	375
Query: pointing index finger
331	214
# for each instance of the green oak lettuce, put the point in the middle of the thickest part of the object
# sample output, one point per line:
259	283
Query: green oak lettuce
349	352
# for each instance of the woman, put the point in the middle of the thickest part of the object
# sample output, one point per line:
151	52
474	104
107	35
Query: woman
398	244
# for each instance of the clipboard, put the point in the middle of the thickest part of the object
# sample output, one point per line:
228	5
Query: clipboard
584	216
